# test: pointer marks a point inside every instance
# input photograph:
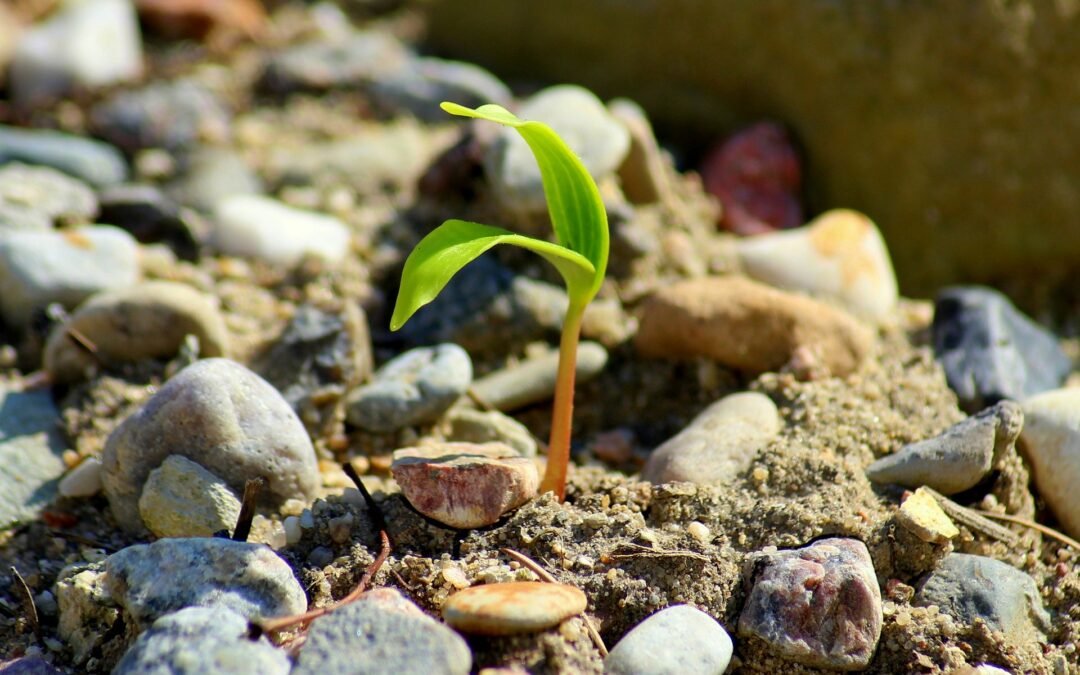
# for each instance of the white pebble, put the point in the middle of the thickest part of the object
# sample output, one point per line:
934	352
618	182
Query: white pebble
293	531
82	481
264	228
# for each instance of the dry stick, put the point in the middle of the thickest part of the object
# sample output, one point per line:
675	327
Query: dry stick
1048	531
28	603
543	574
247	508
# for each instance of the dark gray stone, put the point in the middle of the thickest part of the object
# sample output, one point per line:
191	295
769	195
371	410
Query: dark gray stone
202	640
150	216
382	632
30	448
424	83
171	115
991	351
969	587
94	162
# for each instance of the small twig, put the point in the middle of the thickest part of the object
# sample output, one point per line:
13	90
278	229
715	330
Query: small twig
1048	531
972	519
546	576
28	604
646	552
247	508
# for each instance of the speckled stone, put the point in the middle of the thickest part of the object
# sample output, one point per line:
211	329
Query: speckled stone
219	414
200	640
967	587
512	608
465	485
678	640
30	454
819	605
959	457
182	499
412	388
718	444
382	632
249	579
145	321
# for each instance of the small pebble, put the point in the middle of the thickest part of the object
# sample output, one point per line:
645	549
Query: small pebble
921	515
249	579
263	228
382	632
533	380
991	351
465	485
31	449
468	425
39	268
93	162
172	115
720	443
967	587
1051	443
145	321
34	197
423	83
202	640
215	175
959	457
679	640
65	53
748	326
580	119
349	63
512	608
839	255
222	416
412	388
293	531
818	605
82	481
182	499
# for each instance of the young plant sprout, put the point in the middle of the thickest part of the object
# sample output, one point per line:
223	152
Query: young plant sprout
579	254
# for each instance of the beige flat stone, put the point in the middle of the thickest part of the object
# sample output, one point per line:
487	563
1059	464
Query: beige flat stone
512	608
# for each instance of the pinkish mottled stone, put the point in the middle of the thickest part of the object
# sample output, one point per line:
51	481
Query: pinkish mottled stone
819	605
465	485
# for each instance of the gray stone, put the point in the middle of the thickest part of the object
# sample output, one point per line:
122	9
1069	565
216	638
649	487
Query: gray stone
382	632
30	448
221	415
200	640
819	605
415	387
249	579
212	175
424	83
533	380
182	499
678	640
352	62
580	119
720	443
1051	443
171	115
96	163
150	217
959	457
259	227
145	321
39	268
65	52
483	426
43	195
969	587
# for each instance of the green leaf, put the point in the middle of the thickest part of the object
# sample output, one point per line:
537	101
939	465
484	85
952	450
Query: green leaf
448	248
577	212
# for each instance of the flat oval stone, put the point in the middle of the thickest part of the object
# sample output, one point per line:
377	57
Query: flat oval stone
264	228
840	254
89	160
148	320
465	485
512	608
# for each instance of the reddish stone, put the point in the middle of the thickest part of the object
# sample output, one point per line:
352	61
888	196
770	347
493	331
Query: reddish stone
756	174
203	18
819	605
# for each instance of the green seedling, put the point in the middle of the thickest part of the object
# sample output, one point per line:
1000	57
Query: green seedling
580	254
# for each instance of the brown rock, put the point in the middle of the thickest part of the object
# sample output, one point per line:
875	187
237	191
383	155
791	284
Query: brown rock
512	608
465	485
202	19
748	326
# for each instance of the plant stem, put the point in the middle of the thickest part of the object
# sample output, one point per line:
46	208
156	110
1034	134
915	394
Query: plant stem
562	413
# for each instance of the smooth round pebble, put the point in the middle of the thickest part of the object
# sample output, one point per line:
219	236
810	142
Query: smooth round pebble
145	321
678	640
82	481
512	608
46	193
412	388
182	499
469	425
1051	442
222	416
263	228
